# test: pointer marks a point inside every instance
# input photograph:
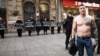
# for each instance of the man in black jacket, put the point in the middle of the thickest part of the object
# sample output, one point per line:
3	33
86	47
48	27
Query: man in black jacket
98	43
68	27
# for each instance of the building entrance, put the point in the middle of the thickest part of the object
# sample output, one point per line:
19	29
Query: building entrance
44	11
29	11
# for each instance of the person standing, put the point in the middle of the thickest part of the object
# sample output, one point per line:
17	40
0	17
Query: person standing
53	24
45	26
68	27
29	26
63	25
38	27
2	28
59	27
98	42
82	26
19	26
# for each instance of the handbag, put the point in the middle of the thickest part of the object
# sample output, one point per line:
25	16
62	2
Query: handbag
72	47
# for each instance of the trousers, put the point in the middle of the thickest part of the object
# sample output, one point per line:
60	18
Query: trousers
84	42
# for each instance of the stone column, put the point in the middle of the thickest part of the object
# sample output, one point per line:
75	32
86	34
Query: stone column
53	9
59	9
13	6
37	9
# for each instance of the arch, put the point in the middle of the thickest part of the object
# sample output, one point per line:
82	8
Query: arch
29	10
44	11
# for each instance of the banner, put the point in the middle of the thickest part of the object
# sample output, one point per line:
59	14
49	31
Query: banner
18	25
29	24
38	24
76	3
46	23
53	24
2	26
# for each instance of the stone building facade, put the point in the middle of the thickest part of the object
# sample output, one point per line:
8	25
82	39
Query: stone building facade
25	9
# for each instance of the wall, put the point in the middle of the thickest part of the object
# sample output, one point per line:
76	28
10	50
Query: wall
16	6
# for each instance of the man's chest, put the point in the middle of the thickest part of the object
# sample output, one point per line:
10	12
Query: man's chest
84	21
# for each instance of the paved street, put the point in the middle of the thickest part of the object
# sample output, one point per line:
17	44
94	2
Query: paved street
43	45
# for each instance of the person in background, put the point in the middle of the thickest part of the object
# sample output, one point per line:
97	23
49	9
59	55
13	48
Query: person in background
30	26
2	28
34	22
59	27
98	42
52	26
63	25
19	26
45	26
68	27
38	27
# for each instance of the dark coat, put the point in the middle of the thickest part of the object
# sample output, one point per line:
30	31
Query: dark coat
68	23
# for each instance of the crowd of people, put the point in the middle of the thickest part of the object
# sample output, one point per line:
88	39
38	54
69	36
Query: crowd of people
31	25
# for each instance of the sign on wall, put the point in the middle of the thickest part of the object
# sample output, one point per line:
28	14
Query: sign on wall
77	3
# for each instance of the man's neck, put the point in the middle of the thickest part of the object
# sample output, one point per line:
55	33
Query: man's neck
83	15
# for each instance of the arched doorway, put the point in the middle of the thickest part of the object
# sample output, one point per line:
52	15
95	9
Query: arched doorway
29	11
44	11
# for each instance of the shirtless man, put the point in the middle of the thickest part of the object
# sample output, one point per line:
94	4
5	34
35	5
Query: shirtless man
82	25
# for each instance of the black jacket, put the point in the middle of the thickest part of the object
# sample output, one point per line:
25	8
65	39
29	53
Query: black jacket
68	23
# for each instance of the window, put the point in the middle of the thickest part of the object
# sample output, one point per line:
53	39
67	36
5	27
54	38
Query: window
2	3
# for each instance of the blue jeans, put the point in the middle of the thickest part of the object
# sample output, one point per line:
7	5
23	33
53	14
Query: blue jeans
87	43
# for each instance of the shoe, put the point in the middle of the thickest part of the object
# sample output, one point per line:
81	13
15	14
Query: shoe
29	35
2	37
73	55
98	52
19	36
66	47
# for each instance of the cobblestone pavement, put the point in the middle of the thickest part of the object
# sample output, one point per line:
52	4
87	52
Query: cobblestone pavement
42	45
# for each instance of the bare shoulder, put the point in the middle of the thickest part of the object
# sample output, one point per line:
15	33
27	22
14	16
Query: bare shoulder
92	19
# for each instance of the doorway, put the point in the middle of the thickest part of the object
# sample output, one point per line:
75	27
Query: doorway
29	11
44	11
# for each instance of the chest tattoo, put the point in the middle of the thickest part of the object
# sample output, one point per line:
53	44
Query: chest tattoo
87	21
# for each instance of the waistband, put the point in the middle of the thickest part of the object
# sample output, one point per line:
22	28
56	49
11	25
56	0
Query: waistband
83	37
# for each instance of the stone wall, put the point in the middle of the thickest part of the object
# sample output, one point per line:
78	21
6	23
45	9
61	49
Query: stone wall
15	10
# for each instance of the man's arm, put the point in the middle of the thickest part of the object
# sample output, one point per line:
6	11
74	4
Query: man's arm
94	29
65	23
74	28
